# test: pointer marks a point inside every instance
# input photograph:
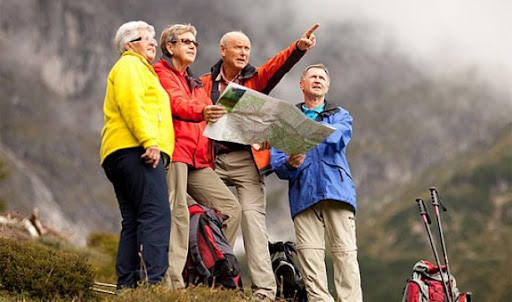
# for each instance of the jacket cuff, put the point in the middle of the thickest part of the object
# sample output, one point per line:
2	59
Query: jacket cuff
289	167
150	142
298	49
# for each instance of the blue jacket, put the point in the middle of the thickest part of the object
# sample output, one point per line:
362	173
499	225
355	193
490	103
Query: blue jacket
325	173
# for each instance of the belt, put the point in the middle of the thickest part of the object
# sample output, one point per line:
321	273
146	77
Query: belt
227	147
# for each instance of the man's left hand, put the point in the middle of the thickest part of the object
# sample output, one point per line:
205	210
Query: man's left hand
296	160
265	145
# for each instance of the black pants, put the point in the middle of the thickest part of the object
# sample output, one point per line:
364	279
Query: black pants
141	191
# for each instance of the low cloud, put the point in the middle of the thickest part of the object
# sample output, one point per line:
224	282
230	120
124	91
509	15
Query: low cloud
440	34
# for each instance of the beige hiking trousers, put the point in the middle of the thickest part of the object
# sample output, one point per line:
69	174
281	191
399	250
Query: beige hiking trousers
205	187
336	220
238	169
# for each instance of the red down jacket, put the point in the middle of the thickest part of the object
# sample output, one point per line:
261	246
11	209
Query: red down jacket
188	97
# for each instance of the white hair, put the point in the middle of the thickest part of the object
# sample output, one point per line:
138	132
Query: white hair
227	36
129	31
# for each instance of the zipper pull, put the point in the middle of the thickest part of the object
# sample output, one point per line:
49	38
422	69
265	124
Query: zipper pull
159	117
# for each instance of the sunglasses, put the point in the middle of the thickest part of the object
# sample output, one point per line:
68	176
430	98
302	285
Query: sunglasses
186	41
145	38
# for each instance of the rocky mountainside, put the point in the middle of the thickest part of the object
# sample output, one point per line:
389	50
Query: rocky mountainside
56	56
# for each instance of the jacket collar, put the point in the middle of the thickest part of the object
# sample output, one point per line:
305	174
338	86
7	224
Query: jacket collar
247	72
330	109
140	57
192	80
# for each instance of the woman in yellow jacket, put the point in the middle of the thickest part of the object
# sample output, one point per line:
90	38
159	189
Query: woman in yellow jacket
137	142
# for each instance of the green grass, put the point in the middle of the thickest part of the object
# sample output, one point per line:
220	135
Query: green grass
477	189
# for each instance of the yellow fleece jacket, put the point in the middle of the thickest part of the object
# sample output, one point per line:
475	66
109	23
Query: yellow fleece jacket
137	111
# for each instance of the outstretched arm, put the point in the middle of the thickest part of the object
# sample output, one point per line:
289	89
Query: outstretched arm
274	69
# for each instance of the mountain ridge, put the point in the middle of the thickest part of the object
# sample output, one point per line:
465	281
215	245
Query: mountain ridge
477	190
53	84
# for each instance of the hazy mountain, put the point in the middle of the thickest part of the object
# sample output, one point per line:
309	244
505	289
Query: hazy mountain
56	56
410	126
477	226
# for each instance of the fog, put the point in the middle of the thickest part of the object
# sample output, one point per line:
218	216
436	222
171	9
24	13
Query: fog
441	34
446	38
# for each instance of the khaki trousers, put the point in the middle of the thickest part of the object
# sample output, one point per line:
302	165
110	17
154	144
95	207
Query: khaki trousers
237	169
206	188
336	220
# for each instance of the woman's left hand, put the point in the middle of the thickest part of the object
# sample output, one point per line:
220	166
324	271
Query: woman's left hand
151	156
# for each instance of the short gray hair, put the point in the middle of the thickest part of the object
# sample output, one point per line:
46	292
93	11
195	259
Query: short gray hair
129	31
319	66
171	33
225	38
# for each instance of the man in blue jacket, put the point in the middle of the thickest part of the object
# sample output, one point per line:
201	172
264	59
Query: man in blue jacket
322	196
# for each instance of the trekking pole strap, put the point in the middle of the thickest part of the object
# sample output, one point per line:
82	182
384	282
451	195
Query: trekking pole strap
423	210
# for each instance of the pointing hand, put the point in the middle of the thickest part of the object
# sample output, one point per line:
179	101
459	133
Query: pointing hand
308	39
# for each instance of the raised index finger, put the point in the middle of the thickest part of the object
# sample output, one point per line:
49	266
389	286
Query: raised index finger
308	33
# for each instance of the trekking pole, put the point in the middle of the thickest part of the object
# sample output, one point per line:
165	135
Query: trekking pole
426	220
104	288
436	202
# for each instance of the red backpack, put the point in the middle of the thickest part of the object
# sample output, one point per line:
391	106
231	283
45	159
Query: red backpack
425	285
210	259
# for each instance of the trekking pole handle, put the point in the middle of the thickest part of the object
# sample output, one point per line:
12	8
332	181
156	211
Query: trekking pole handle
436	200
423	210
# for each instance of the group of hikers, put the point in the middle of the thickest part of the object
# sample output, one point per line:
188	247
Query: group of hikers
155	154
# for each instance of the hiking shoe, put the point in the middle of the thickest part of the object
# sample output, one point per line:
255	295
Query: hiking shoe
261	298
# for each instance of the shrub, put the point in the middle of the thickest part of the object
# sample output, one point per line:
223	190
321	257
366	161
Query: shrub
105	242
103	250
192	294
35	270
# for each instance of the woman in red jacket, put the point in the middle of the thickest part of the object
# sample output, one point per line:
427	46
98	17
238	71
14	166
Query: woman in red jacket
191	170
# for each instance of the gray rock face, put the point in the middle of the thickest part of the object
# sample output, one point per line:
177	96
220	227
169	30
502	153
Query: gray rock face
56	56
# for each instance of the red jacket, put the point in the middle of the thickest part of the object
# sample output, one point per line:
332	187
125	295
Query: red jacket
188	98
263	79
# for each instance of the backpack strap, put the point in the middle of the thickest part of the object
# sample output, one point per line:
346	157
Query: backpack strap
195	229
207	240
220	244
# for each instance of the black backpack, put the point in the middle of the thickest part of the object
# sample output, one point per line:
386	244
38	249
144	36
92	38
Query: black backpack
290	284
210	259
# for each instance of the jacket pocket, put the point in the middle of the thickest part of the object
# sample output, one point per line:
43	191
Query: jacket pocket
340	170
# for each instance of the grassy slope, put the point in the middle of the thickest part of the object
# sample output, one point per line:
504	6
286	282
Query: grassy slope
477	190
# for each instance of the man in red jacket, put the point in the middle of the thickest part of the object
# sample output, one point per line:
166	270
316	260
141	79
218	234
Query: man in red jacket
245	166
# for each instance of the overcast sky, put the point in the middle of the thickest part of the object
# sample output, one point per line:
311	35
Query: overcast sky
443	34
